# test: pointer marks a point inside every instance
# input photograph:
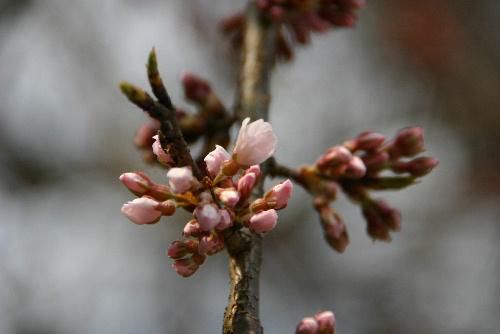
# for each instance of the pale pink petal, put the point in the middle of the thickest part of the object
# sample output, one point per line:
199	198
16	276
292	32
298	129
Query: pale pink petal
161	155
263	221
215	159
137	183
180	179
142	211
229	197
225	221
208	216
256	142
281	194
307	326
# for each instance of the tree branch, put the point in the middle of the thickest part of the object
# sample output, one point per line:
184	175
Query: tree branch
244	248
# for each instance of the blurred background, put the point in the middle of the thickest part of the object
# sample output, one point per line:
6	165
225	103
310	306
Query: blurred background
71	263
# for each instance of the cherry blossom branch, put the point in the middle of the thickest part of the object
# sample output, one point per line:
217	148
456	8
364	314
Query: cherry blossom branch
245	249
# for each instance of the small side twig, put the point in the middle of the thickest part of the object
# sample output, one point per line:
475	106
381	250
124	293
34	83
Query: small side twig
163	110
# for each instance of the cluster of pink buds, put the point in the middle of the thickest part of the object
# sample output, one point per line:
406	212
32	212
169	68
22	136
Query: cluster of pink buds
298	19
359	166
321	323
219	201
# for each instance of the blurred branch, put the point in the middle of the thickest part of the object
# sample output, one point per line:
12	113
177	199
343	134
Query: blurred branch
245	249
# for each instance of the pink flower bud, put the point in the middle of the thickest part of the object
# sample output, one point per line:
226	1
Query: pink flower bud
307	326
256	142
253	169
144	136
280	194
334	229
179	249
211	244
409	141
376	161
417	167
161	155
326	322
367	141
264	221
215	159
229	197
185	267
195	88
381	219
356	169
390	216
225	220
137	183
192	229
180	179
246	184
208	216
142	211
334	157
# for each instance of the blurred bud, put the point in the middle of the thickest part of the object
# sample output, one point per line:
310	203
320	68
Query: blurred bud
366	141
264	221
144	135
208	216
335	156
381	218
356	169
334	229
326	322
180	179
375	162
195	88
279	195
417	167
307	326
390	216
409	142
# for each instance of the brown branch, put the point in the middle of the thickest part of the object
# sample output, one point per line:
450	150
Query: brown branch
244	248
171	136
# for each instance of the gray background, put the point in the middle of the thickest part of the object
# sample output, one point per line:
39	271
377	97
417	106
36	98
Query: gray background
71	263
